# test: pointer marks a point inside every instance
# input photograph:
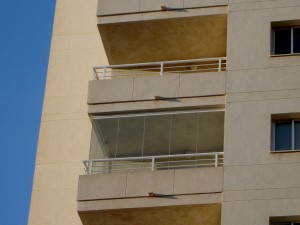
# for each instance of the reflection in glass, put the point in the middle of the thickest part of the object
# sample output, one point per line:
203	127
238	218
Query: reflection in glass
283	41
297	135
283	135
296	40
157	134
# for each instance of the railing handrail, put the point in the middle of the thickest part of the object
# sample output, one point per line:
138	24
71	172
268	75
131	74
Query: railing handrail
153	160
159	63
155	157
163	66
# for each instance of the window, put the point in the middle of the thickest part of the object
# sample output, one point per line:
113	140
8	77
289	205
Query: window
284	220
285	223
286	40
286	135
156	141
151	134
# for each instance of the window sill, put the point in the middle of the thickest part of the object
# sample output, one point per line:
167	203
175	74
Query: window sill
284	55
285	151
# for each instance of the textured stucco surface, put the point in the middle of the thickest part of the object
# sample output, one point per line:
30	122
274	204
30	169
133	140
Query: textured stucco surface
65	127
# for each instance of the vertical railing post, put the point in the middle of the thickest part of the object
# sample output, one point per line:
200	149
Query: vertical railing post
90	167
153	164
216	160
161	69
104	72
95	74
220	65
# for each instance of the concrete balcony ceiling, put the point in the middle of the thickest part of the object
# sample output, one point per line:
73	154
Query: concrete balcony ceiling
192	215
163	40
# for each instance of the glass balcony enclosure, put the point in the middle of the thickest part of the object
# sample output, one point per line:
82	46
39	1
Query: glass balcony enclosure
136	137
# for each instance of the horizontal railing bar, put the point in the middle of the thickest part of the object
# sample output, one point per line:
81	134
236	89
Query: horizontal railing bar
149	69
183	71
135	74
161	68
115	169
185	166
192	65
143	69
156	73
122	165
161	113
159	63
143	164
159	162
155	157
183	161
127	70
153	73
158	68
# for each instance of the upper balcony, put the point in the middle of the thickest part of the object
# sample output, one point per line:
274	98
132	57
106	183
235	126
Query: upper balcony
157	81
162	31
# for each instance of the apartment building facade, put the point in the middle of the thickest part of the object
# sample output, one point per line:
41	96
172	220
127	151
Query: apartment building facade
171	112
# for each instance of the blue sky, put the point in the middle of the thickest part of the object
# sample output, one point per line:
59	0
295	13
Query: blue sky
26	28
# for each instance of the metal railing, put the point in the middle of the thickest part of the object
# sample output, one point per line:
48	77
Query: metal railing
161	68
152	163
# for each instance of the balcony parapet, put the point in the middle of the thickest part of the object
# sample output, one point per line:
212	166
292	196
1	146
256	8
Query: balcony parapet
116	7
153	163
160	68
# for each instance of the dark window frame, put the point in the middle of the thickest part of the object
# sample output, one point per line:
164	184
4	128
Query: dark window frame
292	40
292	138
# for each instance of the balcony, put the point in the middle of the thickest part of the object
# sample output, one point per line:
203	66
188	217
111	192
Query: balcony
156	141
157	81
142	162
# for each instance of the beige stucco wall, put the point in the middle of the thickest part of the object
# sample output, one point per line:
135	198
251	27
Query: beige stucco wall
258	184
65	127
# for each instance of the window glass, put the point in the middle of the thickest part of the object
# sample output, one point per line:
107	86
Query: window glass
296	40
184	133
283	135
130	137
286	223
103	139
211	126
157	134
297	135
282	41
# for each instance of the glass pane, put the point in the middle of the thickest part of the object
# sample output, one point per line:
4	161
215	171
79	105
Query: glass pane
152	135
130	137
283	41
157	134
211	132
283	136
296	40
297	135
284	223
184	133
103	140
